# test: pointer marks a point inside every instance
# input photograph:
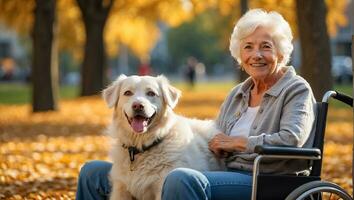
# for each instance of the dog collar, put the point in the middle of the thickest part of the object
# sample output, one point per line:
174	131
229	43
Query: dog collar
132	150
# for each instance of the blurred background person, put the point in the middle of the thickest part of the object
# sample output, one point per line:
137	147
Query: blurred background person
7	69
190	71
144	68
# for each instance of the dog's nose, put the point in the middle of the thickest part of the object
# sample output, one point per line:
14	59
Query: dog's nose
137	106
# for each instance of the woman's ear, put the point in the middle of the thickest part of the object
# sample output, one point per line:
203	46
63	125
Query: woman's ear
111	93
280	58
170	94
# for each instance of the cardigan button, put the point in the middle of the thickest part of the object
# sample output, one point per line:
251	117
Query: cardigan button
238	114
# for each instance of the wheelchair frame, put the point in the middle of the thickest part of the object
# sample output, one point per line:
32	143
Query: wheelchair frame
312	154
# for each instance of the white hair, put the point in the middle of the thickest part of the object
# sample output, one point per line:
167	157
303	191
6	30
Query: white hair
279	29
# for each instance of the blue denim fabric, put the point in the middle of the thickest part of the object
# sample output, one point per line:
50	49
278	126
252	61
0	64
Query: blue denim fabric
93	183
183	183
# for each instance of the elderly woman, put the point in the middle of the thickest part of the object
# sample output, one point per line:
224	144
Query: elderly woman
273	106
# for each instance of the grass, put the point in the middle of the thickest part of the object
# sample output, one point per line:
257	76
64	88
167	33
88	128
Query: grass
213	86
15	93
346	89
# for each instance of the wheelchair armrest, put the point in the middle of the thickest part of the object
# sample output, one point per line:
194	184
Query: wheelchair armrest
281	150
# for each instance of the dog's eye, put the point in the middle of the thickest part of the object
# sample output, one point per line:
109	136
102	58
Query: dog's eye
151	94
128	93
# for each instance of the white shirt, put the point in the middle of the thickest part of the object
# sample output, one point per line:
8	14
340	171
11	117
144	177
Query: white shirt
243	125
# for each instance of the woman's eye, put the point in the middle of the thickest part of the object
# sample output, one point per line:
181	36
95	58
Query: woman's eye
151	94
267	46
247	47
128	93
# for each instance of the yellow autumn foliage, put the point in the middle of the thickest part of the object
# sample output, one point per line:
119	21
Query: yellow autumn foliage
336	15
18	14
131	31
135	23
70	29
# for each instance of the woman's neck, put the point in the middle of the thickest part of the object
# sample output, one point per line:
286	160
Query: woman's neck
262	85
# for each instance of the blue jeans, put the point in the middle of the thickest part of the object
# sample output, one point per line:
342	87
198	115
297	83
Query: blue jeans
93	183
181	183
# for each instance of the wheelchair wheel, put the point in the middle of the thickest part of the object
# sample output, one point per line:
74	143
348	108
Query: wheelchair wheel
321	190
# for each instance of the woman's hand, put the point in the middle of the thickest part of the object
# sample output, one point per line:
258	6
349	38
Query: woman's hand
223	144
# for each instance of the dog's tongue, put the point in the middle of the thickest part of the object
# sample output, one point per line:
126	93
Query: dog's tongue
138	124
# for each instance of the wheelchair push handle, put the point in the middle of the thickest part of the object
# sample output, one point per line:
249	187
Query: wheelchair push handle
344	98
339	96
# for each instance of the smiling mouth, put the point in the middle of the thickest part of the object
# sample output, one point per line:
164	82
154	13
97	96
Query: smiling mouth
258	65
139	122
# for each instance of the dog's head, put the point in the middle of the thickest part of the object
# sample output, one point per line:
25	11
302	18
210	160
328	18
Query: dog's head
140	100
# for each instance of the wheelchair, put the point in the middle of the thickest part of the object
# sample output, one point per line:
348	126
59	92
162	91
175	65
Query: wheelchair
299	187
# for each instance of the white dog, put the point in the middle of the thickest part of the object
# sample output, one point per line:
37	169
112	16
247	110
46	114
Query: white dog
150	139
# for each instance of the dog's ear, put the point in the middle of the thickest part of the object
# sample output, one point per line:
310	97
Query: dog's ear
170	93
111	93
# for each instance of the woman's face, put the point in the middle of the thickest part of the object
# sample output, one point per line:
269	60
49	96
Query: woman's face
259	56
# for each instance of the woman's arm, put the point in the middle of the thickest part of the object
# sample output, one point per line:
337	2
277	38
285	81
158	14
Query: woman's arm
296	121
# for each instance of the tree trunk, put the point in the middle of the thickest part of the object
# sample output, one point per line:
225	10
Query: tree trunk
244	8
44	62
315	47
94	14
92	71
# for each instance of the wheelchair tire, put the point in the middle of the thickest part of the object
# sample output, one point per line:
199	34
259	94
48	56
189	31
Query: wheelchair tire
322	188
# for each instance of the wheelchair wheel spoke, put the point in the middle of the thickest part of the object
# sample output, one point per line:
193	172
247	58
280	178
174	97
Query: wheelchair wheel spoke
339	198
323	195
312	198
319	190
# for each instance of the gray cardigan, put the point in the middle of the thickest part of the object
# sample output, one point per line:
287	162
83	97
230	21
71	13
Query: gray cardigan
285	117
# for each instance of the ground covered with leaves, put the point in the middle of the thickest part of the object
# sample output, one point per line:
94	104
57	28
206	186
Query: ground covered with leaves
41	154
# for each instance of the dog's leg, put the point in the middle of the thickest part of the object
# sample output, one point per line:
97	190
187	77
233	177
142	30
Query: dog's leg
158	188
153	192
149	194
158	195
120	192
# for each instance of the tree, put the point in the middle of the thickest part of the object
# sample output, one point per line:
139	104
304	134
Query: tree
94	15
315	48
44	62
37	17
128	20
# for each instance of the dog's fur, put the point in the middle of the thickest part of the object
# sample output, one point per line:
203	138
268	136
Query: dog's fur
184	141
